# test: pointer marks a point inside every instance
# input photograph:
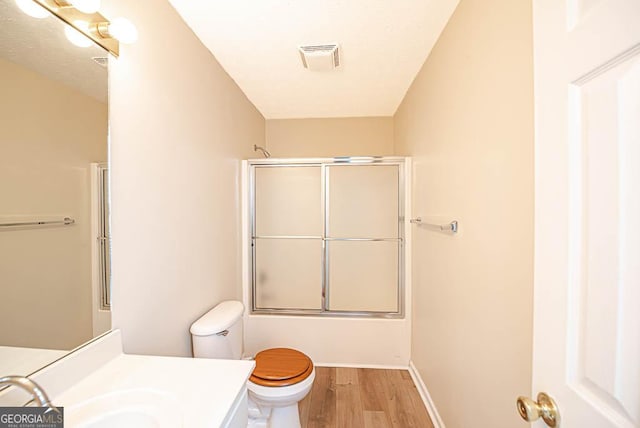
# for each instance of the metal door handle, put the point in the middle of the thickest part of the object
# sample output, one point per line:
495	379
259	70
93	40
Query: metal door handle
544	408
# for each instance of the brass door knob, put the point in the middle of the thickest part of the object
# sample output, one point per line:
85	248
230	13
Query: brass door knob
544	408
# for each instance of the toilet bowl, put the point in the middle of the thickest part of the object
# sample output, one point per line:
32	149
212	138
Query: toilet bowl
282	376
281	379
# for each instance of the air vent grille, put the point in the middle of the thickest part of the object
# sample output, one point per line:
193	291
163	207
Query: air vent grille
102	61
320	57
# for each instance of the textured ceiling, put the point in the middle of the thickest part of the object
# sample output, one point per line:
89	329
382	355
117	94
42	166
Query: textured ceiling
40	45
383	42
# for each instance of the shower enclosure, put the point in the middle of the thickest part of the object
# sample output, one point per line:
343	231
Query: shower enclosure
327	236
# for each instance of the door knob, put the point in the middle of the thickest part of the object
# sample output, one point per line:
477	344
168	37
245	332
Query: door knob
544	408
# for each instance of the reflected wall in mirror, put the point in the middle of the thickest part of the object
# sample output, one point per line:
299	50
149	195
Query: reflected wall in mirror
53	137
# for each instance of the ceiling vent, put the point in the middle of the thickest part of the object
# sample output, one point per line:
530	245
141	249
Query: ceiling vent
320	57
102	61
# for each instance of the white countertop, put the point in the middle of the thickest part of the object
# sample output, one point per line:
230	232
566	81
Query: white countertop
204	389
201	391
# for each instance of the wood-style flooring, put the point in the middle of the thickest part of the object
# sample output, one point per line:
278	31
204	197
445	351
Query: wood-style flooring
367	398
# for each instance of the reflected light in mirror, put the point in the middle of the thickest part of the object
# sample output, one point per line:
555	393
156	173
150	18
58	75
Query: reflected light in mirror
76	37
32	9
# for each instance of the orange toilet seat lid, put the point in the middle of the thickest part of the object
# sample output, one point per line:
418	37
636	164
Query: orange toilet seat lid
281	367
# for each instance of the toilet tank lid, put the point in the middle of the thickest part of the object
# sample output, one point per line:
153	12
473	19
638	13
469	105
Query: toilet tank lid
218	319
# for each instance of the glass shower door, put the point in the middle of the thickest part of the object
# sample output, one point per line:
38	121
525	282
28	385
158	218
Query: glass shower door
287	241
363	238
327	236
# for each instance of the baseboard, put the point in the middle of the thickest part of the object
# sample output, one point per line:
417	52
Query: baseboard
362	366
426	398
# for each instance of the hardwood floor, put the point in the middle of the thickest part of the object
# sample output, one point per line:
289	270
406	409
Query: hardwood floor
363	398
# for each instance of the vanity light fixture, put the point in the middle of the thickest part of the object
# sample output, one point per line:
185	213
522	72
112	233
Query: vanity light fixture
87	24
120	29
77	37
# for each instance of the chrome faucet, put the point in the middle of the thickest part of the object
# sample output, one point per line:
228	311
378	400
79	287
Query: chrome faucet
36	391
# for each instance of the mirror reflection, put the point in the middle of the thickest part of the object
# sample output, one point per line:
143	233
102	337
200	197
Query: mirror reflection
53	139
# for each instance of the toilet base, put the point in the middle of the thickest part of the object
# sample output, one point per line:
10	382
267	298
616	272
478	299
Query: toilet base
273	417
282	417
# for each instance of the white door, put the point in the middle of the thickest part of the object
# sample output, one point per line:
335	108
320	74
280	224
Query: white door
587	217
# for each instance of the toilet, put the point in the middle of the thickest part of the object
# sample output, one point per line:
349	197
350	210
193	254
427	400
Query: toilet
282	376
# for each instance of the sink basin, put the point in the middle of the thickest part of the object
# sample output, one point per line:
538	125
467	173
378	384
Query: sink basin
134	408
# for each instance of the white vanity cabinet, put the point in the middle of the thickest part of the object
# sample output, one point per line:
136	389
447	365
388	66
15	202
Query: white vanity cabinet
238	416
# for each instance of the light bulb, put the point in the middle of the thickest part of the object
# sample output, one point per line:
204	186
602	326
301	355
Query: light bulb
32	8
123	30
76	37
86	6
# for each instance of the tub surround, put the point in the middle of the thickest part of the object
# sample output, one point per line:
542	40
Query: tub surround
201	392
357	341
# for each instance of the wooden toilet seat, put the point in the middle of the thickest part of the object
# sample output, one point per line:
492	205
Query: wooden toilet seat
281	367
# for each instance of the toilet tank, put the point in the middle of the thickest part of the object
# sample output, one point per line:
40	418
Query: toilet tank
218	333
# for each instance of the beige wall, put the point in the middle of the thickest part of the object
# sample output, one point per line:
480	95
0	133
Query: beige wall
179	127
468	122
50	134
352	136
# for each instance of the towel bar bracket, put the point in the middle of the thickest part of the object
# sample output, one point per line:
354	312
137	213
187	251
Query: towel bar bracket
448	227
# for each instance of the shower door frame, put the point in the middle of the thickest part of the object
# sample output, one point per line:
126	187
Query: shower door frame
403	195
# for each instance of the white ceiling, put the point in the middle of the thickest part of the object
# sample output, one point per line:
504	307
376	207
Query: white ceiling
383	42
40	45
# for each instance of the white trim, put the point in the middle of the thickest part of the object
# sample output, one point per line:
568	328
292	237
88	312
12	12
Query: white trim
426	398
101	319
95	264
245	232
362	366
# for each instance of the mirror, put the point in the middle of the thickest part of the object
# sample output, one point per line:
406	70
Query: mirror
53	140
